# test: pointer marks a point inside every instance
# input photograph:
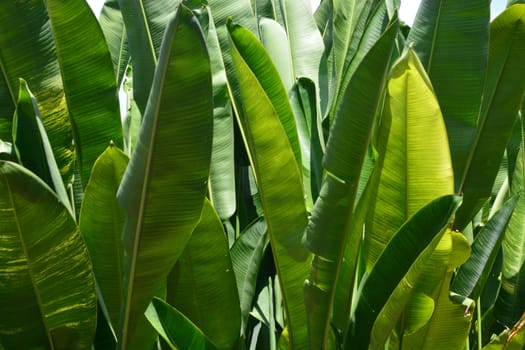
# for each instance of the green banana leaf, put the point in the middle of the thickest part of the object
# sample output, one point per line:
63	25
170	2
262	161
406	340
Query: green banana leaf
247	253
471	277
222	169
304	103
27	51
32	145
396	269
89	81
450	38
112	25
175	328
327	234
203	285
361	45
278	178
305	41
163	188
448	322
277	46
502	97
347	16
101	222
145	22
7	108
47	294
511	302
258	61
414	154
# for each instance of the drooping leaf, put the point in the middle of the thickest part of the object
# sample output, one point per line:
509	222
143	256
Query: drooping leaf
101	222
502	97
47	294
175	328
89	81
203	285
278	178
164	185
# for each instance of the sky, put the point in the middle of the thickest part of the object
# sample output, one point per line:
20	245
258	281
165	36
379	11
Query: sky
407	12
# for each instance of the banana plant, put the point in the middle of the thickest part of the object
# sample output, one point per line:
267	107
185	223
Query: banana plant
271	177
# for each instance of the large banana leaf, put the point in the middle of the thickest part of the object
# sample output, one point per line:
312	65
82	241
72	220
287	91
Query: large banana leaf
89	81
164	185
327	234
414	154
32	145
450	38
502	96
47	294
511	299
203	285
397	268
112	25
279	181
102	228
145	22
27	51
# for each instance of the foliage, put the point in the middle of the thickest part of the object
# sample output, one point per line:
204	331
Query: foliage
273	178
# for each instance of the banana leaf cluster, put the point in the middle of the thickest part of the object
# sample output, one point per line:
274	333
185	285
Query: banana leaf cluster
252	174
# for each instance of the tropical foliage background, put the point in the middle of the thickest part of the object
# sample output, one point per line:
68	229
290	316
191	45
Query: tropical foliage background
279	179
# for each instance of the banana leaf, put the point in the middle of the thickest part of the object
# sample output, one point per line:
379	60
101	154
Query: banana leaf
175	328
450	38
471	277
27	51
510	303
47	294
89	81
32	146
502	98
145	22
279	180
222	170
102	228
163	188
247	253
397	267
112	25
203	285
414	154
450	316
328	229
